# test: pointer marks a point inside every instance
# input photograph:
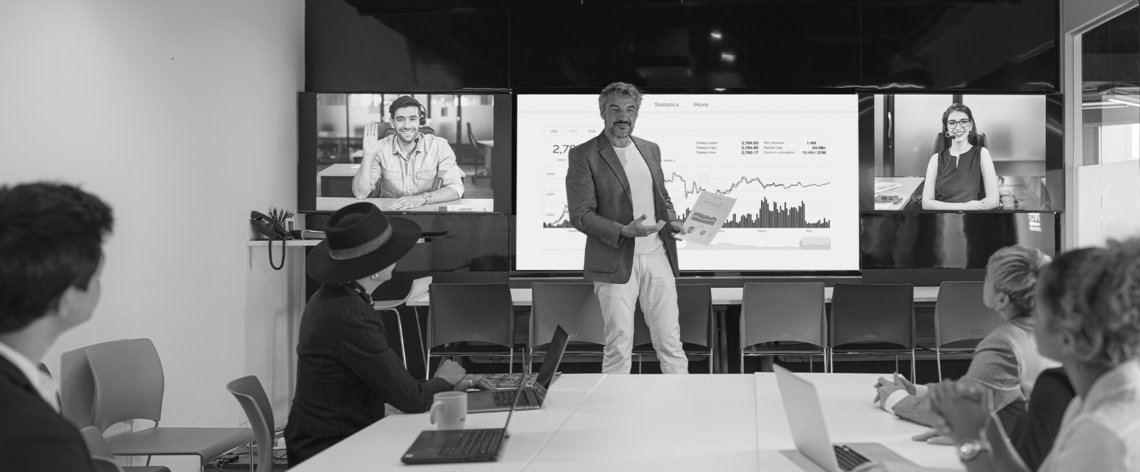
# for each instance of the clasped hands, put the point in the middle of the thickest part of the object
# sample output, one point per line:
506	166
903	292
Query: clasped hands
640	228
456	375
960	409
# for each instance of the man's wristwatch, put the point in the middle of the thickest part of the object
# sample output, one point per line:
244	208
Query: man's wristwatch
970	449
427	198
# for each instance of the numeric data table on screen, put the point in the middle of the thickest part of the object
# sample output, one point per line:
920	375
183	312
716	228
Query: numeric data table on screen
790	161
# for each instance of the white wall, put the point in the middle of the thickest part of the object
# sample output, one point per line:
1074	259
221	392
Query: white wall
182	115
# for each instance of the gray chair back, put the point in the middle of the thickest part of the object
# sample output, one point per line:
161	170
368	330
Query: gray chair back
574	306
960	315
471	313
129	382
872	314
771	312
253	400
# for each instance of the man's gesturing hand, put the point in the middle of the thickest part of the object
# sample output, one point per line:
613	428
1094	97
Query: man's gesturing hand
638	228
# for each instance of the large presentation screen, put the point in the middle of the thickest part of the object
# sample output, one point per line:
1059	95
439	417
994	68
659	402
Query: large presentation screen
790	161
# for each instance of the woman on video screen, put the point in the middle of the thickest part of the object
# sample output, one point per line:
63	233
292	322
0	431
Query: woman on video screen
961	175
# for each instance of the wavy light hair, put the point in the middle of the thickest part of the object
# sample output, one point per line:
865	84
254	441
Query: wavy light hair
1094	295
1013	270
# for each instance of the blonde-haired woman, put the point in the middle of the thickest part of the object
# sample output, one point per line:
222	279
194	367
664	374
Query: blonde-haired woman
1006	361
1089	318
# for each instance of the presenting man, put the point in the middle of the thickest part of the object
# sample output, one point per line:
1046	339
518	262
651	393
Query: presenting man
616	193
414	168
51	258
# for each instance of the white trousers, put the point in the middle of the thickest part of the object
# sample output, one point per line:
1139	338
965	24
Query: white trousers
652	283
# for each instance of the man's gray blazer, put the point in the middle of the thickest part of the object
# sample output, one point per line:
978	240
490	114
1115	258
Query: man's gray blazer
597	193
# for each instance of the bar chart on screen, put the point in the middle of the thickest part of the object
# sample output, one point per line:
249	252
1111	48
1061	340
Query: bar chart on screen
789	161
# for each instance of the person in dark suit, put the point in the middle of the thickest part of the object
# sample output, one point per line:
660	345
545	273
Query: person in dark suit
615	190
51	260
346	371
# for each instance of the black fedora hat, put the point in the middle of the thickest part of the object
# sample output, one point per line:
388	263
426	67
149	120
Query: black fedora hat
360	241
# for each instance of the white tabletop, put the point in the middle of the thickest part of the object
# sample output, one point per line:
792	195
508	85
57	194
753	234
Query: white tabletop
657	423
380	446
720	296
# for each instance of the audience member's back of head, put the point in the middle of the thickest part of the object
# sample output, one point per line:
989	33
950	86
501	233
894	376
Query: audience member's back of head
1014	270
1094	295
51	238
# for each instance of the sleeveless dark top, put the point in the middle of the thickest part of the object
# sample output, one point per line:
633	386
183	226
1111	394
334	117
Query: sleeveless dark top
962	182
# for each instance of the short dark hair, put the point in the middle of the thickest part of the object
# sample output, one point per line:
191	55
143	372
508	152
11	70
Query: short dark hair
1094	295
404	102
51	238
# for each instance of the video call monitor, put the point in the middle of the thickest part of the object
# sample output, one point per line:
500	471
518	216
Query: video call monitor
332	134
949	152
790	161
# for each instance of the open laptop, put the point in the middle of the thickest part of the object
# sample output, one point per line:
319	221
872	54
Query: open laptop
459	445
809	431
532	397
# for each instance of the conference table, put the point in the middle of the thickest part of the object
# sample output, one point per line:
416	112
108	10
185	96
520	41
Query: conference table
659	423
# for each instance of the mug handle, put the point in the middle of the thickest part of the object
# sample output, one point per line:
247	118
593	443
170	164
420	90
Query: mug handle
434	407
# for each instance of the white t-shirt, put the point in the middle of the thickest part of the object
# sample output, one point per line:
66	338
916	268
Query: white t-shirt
641	192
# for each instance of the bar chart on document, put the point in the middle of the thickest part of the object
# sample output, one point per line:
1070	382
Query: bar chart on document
790	161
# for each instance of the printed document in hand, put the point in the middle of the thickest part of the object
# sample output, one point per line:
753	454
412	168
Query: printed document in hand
706	217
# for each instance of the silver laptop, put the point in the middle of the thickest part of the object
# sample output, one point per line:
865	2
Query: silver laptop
533	397
809	431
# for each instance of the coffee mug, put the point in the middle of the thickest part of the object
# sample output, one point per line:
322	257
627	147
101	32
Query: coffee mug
449	410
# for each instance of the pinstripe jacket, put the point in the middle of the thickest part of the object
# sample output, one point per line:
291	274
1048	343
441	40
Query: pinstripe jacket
346	372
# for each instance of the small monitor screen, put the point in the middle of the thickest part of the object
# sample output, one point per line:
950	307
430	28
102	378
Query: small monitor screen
402	151
958	153
789	161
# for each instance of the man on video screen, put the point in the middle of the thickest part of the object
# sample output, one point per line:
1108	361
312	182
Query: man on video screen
411	165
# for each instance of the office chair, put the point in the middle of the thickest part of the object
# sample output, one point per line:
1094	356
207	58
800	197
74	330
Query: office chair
961	320
694	303
474	319
129	385
873	319
576	308
76	388
104	459
479	150
783	319
253	400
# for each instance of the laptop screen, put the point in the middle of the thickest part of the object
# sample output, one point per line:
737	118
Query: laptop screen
553	357
805	418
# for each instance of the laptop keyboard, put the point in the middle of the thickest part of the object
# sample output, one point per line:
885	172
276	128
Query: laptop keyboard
848	458
473	442
506	398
